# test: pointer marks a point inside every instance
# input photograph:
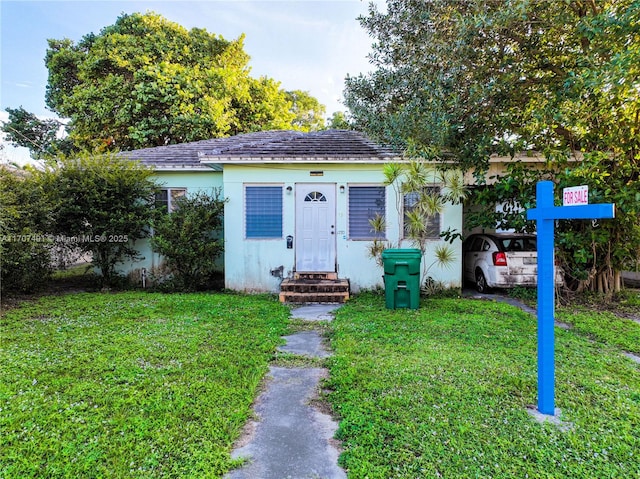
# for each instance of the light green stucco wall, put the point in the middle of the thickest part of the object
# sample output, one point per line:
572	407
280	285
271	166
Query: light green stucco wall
193	181
249	262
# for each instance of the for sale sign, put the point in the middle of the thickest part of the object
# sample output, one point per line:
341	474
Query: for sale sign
575	195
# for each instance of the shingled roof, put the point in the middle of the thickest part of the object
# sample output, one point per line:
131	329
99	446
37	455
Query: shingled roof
267	146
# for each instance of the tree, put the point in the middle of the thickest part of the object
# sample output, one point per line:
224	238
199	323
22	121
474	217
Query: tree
458	81
40	136
190	240
587	251
339	121
101	205
25	259
309	113
595	253
145	81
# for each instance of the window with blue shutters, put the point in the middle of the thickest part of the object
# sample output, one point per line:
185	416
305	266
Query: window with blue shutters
365	203
263	212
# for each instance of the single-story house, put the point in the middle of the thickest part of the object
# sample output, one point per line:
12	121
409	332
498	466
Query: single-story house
298	206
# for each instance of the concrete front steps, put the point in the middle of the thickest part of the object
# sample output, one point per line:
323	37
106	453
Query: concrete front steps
314	288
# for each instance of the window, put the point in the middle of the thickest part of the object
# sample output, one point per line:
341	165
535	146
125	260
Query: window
479	245
166	198
519	244
432	221
315	196
263	211
365	203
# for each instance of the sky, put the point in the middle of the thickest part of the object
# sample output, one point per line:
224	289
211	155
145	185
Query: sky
309	45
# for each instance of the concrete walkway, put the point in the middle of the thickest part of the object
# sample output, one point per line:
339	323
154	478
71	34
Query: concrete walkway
305	343
292	439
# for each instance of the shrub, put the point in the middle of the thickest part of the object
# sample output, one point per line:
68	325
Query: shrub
190	240
25	260
102	204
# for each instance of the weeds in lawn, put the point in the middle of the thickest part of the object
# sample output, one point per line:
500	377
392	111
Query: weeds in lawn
151	385
530	295
289	360
131	384
604	327
442	392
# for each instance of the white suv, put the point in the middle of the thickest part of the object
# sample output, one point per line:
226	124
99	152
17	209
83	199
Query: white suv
501	260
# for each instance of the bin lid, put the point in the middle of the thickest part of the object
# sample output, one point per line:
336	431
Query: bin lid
401	252
408	258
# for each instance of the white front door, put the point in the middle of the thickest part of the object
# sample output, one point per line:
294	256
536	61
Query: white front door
315	227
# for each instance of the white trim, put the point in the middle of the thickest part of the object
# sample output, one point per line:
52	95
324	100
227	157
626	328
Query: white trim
177	167
205	160
169	189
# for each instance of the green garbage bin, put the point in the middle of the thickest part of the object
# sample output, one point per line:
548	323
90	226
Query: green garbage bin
402	278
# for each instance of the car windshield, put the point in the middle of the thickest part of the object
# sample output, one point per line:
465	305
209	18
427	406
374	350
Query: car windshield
519	244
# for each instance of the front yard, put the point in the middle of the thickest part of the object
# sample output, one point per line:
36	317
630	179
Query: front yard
131	384
443	392
151	385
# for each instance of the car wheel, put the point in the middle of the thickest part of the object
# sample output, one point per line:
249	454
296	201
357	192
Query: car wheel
481	282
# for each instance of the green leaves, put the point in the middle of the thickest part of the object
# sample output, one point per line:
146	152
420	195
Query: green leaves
190	239
309	113
146	81
40	136
25	259
591	253
473	78
104	202
429	190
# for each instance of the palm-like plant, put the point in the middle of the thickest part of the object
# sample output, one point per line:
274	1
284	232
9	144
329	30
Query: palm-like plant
417	178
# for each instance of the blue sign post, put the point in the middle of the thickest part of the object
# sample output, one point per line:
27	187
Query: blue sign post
545	215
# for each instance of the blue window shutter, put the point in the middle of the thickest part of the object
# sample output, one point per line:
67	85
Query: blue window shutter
365	202
263	211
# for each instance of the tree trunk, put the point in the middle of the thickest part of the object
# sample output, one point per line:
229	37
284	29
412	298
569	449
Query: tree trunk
617	281
607	282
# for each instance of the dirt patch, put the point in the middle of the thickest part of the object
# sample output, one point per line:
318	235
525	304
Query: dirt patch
625	305
59	287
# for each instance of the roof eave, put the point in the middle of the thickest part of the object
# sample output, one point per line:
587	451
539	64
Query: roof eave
209	160
173	168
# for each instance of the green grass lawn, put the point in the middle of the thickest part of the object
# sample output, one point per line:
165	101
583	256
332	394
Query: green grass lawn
149	385
443	391
131	384
604	326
